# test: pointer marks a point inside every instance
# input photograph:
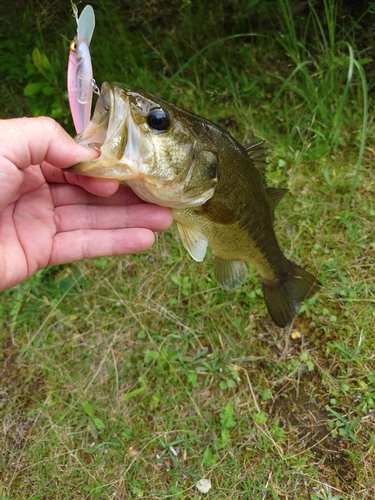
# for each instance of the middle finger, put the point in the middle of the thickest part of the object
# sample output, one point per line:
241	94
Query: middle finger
74	217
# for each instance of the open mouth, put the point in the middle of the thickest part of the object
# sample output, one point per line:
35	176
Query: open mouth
107	133
96	133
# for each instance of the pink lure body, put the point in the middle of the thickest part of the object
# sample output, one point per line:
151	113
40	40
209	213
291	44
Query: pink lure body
80	76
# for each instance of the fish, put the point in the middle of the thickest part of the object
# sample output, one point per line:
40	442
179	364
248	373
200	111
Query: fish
80	75
215	187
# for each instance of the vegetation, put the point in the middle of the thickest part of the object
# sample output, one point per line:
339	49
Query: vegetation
136	377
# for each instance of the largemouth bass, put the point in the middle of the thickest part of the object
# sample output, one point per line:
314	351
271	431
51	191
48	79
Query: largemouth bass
215	187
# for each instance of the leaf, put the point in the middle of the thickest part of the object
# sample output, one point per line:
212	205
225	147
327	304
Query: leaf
45	62
225	434
33	88
48	90
226	418
37	58
101	262
304	356
260	418
192	377
133	394
150	355
99	424
367	60
326	176
310	366
88	408
41	61
176	280
266	395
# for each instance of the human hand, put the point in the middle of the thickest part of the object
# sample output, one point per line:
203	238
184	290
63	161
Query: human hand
50	217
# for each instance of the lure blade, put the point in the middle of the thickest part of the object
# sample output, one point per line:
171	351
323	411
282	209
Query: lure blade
80	77
86	24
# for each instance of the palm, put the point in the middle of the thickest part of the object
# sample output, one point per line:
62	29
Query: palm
27	225
49	217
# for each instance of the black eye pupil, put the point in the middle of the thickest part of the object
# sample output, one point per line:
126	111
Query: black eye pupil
158	119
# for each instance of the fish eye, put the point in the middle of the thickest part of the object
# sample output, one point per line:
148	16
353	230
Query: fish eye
158	119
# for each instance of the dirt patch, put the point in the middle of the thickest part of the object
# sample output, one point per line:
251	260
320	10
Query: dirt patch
303	412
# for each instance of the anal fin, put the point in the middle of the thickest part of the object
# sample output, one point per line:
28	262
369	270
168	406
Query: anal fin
230	274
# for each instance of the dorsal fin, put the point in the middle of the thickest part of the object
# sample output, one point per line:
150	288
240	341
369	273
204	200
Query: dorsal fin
258	152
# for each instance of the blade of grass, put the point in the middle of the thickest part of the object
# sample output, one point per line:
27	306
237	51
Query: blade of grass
364	129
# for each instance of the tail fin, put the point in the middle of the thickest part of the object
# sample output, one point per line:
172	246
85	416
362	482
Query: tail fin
284	296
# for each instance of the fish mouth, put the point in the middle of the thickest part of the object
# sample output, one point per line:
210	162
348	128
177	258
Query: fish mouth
107	133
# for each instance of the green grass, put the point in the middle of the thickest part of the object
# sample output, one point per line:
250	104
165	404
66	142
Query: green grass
136	376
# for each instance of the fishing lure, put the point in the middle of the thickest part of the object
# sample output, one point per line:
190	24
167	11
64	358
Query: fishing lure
80	77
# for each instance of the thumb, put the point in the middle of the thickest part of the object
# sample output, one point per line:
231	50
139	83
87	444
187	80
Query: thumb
30	141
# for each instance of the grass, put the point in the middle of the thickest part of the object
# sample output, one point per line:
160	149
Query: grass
135	377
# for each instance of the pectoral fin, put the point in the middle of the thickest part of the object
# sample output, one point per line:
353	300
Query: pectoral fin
194	241
217	212
230	274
